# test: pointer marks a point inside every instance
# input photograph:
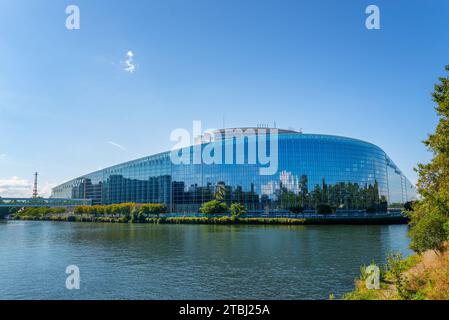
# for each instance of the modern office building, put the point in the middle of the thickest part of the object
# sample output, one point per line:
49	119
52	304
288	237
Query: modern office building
292	170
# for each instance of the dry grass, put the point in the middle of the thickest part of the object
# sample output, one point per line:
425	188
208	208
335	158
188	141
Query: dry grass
427	279
430	278
387	292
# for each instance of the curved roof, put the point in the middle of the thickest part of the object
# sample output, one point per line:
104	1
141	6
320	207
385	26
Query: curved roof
218	135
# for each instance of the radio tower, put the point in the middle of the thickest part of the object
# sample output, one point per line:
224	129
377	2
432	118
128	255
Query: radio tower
35	186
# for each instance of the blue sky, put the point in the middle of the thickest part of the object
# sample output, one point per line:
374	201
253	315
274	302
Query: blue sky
68	107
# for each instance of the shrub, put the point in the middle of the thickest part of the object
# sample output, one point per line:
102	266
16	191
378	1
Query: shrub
213	207
394	271
446	228
81	210
429	233
37	213
133	211
408	206
237	209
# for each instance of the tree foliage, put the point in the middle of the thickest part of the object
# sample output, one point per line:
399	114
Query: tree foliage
213	207
343	195
237	209
429	233
122	210
432	212
38	212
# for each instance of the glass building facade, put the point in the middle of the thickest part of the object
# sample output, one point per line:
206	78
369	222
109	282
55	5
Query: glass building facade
311	170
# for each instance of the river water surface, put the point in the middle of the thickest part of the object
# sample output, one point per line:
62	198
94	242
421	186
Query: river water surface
143	261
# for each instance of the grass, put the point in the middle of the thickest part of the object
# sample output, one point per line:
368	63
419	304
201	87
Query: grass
418	277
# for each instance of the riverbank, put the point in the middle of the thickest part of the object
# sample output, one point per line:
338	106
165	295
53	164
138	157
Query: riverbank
157	213
312	220
418	277
168	220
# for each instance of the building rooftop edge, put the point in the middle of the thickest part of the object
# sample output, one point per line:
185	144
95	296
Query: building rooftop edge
280	131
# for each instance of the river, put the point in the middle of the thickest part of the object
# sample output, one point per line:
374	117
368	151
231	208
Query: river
143	261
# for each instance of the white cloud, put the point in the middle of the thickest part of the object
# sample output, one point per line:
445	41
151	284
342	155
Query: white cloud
2	156
22	188
118	146
15	188
129	62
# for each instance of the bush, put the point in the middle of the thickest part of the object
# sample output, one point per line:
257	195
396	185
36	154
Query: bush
81	210
124	212
131	210
394	270
237	209
37	213
408	206
213	207
429	233
446	228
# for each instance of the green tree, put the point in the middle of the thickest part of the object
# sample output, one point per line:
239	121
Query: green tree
152	209
431	213
213	207
237	209
429	233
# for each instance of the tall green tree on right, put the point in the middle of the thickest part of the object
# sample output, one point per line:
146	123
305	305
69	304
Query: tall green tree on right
430	216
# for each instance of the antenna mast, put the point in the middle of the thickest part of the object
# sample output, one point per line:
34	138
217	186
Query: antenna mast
35	186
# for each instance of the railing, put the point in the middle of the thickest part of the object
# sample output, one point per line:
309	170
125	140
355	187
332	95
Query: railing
41	202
